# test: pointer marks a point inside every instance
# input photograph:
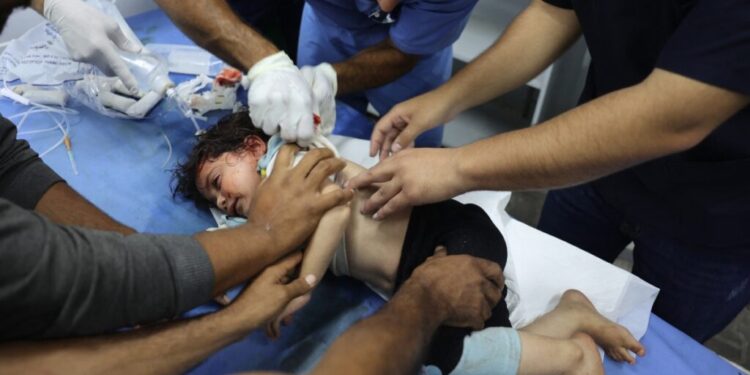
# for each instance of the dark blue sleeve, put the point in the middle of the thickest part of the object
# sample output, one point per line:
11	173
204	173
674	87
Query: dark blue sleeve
427	26
567	4
712	45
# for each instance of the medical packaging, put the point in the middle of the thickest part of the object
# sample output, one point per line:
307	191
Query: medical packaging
40	58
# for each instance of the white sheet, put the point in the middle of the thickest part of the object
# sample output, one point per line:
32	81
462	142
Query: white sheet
541	267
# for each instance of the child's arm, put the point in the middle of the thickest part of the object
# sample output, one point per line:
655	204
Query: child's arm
318	254
326	239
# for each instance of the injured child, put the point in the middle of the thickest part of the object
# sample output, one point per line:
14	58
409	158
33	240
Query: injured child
232	159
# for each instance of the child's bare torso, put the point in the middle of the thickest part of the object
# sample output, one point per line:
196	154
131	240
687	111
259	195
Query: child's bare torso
373	247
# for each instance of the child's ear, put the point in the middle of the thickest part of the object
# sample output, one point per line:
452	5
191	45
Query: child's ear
255	146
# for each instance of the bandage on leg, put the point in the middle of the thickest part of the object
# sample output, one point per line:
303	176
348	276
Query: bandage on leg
492	351
462	229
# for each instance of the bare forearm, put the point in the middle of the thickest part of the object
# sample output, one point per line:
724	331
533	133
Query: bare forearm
65	206
400	332
167	349
373	67
539	35
238	254
663	115
213	25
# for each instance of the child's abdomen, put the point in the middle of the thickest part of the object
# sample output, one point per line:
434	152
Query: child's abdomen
374	247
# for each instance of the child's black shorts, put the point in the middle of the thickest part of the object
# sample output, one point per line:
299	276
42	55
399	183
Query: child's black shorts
462	229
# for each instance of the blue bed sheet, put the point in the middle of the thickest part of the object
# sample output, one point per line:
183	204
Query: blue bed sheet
120	164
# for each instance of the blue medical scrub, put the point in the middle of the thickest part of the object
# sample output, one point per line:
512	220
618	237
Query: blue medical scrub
336	30
688	214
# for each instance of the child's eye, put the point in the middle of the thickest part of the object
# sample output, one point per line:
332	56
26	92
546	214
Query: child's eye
216	182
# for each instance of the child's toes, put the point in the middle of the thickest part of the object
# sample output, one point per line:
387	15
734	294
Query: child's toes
625	355
637	348
615	355
612	354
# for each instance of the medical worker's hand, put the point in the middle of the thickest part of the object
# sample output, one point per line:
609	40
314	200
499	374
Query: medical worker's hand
280	99
289	203
92	37
273	289
411	177
464	289
323	81
399	127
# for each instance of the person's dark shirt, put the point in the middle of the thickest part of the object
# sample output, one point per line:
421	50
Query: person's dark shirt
59	281
702	195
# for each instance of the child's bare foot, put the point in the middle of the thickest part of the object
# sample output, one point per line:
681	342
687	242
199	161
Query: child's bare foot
590	363
615	339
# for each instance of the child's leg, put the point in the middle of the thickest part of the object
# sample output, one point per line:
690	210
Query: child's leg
575	313
505	351
542	355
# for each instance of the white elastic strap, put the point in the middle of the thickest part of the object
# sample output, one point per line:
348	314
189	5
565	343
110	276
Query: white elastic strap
340	262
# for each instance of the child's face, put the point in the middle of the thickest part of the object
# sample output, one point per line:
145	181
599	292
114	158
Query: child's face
230	180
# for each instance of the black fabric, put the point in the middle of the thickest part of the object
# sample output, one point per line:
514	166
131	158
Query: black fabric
700	195
24	178
567	4
462	229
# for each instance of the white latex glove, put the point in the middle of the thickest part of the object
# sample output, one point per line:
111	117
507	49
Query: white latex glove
280	99
322	78
92	37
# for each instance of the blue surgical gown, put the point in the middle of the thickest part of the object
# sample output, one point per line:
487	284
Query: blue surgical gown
335	30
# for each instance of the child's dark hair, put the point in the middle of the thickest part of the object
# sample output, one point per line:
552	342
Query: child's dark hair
228	135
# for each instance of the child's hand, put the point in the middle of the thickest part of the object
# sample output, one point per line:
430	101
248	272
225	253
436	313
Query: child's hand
273	327
268	294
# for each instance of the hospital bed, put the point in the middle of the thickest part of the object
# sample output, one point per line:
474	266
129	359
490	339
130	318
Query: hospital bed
120	166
